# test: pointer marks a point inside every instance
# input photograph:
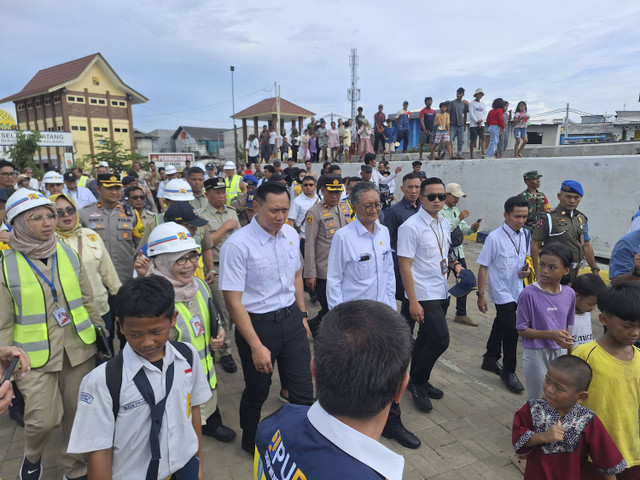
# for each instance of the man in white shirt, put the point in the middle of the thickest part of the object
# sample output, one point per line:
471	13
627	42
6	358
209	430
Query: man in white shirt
376	177
252	147
81	195
477	114
301	205
502	261
425	258
360	261
261	280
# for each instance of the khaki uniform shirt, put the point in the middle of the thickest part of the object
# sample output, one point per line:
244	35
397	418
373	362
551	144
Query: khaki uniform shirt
200	202
153	180
115	226
62	340
322	222
216	219
566	227
240	202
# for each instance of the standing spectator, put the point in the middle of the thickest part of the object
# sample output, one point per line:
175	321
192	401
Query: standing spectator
389	140
359	118
416	166
82	178
295	145
538	203
495	121
321	135
273	142
503	144
265	151
354	138
476	122
378	128
402	121
153	180
33	182
81	195
501	263
301	205
365	138
333	141
427	117
284	149
520	120
252	147
7	177
376	177
304	147
347	141
442	124
459	228
458	115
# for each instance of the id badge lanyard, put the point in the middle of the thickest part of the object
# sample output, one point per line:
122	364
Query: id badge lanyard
54	292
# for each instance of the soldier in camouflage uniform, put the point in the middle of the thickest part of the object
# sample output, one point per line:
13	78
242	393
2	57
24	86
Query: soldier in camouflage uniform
538	203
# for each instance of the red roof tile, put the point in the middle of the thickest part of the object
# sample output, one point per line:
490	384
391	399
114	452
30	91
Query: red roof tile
269	106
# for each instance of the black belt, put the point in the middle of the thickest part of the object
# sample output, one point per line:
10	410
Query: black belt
216	264
276	315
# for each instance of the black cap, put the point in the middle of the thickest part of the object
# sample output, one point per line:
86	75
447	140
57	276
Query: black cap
277	163
69	177
129	179
210	166
108	180
214	183
182	212
277	177
417	163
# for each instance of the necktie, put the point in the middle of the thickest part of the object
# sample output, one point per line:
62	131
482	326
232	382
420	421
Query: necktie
157	412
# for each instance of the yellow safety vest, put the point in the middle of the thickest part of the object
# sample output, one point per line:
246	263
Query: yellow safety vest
30	330
201	343
233	187
82	182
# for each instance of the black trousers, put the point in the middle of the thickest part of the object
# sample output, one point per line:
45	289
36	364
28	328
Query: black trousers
378	137
503	340
432	340
461	302
284	335
321	293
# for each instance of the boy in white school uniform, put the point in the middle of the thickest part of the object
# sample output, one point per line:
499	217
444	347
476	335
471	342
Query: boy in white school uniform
152	428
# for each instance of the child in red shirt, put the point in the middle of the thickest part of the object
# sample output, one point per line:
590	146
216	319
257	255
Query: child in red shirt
495	121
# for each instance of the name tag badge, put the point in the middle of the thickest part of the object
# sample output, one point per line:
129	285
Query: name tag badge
444	266
62	317
196	325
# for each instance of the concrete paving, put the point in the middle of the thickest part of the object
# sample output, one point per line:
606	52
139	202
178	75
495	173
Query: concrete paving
466	436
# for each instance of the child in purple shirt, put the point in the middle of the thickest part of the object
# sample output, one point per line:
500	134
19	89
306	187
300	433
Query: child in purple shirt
546	310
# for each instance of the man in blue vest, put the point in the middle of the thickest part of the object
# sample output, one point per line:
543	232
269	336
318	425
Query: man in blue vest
361	355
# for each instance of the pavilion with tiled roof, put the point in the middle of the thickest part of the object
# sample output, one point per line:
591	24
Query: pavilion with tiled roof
267	111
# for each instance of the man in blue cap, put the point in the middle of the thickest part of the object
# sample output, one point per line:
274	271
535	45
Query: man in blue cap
568	225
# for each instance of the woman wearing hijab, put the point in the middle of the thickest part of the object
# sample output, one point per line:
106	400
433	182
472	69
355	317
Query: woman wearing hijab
91	250
47	309
174	255
365	132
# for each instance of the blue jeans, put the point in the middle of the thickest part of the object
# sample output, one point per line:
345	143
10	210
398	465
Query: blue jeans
494	135
457	133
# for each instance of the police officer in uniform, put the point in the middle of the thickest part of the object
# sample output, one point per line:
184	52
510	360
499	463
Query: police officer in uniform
568	225
323	220
115	223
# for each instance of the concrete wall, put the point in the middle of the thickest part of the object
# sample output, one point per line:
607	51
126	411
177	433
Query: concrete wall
609	182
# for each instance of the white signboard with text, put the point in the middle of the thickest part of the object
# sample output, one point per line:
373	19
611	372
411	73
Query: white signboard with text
47	138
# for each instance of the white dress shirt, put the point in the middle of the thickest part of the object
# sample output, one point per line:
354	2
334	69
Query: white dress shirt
261	266
361	266
94	427
500	255
426	240
82	196
299	208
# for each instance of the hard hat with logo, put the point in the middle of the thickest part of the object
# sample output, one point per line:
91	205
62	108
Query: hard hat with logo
52	177
25	199
178	190
202	166
170	237
170	170
229	166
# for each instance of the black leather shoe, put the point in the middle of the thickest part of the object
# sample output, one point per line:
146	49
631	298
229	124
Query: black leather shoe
220	433
396	431
490	364
248	445
420	397
512	382
434	392
228	364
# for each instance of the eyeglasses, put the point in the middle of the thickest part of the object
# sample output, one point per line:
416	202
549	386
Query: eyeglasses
136	197
432	196
40	217
372	206
193	258
308	184
8	174
67	211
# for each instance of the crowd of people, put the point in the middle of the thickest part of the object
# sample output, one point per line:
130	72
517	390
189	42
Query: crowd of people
119	292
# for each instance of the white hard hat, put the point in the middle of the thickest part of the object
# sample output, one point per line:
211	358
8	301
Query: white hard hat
52	177
170	170
202	166
24	199
170	238
178	190
103	164
229	166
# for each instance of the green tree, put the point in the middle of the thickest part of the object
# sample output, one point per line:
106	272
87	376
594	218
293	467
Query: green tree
112	152
24	150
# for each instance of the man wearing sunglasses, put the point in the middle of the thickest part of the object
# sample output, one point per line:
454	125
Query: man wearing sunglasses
425	258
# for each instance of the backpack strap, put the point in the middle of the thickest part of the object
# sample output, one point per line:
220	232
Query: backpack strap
184	351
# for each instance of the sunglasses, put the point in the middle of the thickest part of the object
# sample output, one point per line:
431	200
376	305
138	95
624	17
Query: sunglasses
136	197
432	196
308	184
67	211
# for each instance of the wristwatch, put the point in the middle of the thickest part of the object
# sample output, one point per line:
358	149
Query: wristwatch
305	314
479	293
596	269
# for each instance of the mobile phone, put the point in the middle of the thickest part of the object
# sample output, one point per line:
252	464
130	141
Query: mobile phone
214	319
478	220
9	372
102	342
525	268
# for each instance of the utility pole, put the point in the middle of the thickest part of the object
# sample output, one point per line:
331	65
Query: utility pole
566	123
235	130
277	128
353	93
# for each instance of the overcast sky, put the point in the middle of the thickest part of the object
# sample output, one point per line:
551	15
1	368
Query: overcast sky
178	54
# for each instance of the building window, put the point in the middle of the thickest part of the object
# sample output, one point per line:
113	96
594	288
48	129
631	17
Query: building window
74	128
105	129
102	102
93	100
123	104
21	107
47	101
38	103
117	130
71	99
56	99
60	128
96	129
29	105
114	103
83	129
50	129
125	130
80	99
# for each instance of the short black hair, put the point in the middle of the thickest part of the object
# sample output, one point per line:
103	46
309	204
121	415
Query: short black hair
497	103
270	187
152	162
513	202
560	250
333	168
309	177
427	98
361	354
151	296
369	157
576	368
6	163
460	90
411	176
193	171
430	181
348	180
383	162
128	190
588	285
132	173
621	300
269	168
161	169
